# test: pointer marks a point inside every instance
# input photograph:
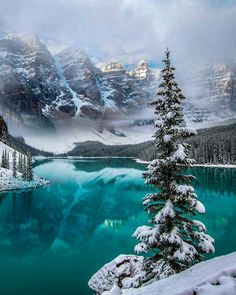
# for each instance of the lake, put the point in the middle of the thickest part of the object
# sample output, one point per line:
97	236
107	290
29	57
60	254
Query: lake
52	239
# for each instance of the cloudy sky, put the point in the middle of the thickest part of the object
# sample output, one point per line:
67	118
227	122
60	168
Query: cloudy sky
129	30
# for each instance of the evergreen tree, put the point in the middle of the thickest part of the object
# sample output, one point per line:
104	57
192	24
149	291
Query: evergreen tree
7	160
20	163
4	163
29	167
176	240
24	167
14	164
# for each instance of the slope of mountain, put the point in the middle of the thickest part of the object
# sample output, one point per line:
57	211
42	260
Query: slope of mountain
213	93
16	143
30	87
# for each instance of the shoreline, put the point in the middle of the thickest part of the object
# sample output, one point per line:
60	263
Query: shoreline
233	166
139	161
23	188
10	183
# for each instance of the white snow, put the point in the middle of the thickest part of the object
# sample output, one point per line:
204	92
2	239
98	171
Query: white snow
195	165
200	207
115	290
180	153
8	182
3	146
125	270
167	138
212	277
167	211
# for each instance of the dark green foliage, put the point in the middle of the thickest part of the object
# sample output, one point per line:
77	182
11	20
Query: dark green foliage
4	159
14	168
29	168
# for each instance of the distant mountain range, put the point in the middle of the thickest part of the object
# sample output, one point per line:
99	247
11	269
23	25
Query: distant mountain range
40	90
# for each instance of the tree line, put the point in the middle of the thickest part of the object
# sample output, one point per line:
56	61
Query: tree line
216	145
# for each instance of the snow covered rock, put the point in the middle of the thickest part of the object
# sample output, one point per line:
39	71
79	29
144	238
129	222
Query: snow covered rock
125	271
115	290
212	277
113	67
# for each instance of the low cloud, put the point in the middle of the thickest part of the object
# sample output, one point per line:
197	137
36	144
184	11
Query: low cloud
197	31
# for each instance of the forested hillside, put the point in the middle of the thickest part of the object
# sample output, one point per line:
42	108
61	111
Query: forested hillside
215	145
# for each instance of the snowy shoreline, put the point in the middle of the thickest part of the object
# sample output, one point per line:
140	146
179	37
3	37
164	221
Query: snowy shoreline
79	157
196	165
139	161
10	183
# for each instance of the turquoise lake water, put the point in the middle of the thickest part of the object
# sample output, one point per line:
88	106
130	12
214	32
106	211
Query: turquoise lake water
52	239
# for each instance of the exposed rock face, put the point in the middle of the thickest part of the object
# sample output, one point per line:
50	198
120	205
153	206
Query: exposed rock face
124	91
141	71
29	82
214	93
38	89
113	67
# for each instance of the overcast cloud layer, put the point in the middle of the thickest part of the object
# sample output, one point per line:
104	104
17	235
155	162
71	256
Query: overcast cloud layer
196	31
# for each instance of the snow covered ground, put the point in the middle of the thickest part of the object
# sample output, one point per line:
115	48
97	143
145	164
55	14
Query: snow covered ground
3	146
8	182
213	277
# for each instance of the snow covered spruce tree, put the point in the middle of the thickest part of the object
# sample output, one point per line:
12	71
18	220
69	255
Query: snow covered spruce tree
4	159
20	163
29	167
14	168
175	240
24	167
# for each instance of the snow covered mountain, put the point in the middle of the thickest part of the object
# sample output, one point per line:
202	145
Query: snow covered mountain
30	86
212	93
42	90
38	88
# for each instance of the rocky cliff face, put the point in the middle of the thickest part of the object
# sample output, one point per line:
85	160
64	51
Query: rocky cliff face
213	93
37	88
30	86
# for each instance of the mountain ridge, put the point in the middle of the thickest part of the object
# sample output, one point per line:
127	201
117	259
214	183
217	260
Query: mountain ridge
40	90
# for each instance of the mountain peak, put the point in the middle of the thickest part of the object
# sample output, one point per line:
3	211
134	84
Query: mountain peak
23	43
113	66
142	63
